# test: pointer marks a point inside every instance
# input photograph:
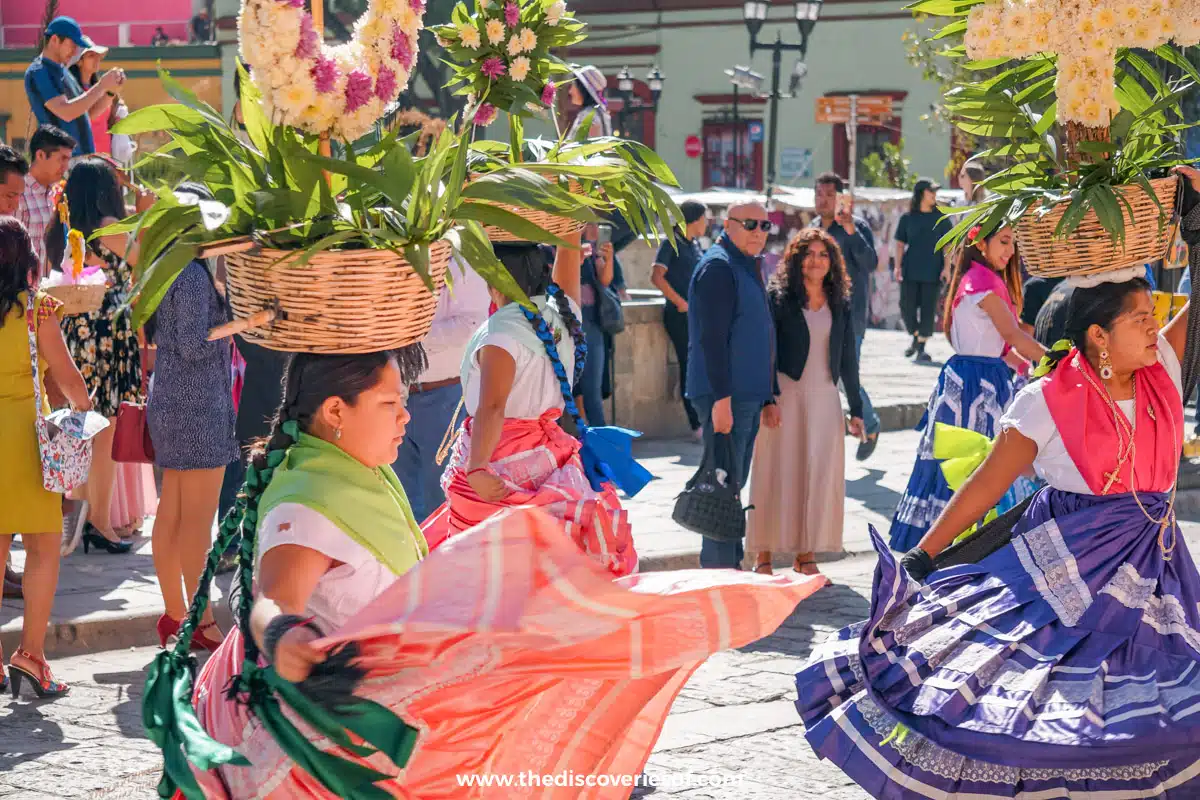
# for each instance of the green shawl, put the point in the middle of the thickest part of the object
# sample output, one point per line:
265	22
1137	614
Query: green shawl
368	505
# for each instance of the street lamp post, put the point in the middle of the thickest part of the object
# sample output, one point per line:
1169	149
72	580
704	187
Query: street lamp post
754	13
630	103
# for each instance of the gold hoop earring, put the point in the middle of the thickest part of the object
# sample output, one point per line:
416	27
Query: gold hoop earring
1106	370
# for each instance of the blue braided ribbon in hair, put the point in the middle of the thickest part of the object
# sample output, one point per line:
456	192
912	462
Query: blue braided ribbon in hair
607	452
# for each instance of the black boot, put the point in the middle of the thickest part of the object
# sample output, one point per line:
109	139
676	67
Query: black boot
922	357
912	348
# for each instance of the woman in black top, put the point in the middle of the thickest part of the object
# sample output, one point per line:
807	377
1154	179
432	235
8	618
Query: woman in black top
673	267
798	478
921	266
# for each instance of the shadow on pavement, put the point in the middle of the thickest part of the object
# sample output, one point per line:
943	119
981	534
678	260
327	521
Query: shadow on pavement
128	712
871	493
828	610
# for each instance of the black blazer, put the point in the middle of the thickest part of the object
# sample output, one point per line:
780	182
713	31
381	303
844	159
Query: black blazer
792	341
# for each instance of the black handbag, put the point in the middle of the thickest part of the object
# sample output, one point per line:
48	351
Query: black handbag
711	503
608	310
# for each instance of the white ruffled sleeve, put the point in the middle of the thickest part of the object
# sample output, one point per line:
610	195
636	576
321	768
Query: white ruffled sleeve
293	523
1029	415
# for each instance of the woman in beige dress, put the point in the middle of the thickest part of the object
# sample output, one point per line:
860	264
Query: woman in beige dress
798	477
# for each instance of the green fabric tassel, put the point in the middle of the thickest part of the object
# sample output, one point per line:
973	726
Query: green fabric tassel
898	734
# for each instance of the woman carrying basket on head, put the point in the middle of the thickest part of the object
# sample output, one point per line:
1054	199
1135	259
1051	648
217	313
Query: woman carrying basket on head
1066	663
507	649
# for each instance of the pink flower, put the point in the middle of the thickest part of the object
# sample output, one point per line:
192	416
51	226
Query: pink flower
512	14
358	90
486	115
309	42
417	6
548	92
325	74
385	84
402	48
493	67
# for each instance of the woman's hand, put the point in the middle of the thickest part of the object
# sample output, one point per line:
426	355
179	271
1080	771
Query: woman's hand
487	485
770	416
856	428
295	655
1190	174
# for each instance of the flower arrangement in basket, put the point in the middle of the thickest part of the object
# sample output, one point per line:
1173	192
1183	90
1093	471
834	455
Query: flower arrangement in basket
501	55
503	62
1091	127
347	253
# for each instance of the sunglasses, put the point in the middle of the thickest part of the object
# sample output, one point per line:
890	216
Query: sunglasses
753	224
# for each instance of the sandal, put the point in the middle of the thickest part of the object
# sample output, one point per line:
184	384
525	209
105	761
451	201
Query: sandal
798	566
43	683
764	568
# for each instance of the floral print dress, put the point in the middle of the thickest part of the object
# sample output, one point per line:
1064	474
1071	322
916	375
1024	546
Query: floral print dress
104	344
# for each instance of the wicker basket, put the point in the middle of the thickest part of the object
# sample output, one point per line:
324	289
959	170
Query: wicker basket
79	298
1090	249
341	301
559	226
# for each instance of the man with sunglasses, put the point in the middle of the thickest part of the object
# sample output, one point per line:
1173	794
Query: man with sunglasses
731	350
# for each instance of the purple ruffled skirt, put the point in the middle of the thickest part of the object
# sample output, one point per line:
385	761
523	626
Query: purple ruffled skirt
1064	665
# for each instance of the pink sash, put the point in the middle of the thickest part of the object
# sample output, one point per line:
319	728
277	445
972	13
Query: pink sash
1086	424
981	279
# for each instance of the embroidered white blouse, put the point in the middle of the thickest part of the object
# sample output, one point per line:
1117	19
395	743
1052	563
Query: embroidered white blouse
1030	416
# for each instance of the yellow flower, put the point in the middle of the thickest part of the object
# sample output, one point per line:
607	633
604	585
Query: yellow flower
495	31
514	45
1042	19
409	20
1040	39
528	39
1092	113
1101	44
469	35
996	48
1104	18
1142	35
1129	14
519	68
1087	27
1020	21
387	8
296	97
373	30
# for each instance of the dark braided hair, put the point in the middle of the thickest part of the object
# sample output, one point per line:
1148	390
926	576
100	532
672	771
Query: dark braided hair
529	268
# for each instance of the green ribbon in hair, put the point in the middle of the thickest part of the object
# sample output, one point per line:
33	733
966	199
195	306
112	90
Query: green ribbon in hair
961	452
1048	361
171	721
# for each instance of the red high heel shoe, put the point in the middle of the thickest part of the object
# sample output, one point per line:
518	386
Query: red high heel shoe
200	641
167	629
44	685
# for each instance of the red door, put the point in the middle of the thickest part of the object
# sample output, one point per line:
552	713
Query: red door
730	159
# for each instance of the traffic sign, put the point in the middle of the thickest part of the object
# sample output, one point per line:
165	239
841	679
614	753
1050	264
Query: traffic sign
755	129
835	109
692	146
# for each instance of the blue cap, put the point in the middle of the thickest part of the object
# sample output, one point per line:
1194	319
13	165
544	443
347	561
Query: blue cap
68	28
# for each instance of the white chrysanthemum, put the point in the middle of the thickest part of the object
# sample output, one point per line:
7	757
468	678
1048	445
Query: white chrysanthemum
388	8
468	34
495	31
529	39
554	13
519	68
373	29
514	45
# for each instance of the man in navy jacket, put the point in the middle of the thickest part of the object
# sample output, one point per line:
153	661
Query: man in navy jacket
731	351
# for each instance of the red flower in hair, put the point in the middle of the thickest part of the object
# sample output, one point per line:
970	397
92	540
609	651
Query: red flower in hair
973	234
